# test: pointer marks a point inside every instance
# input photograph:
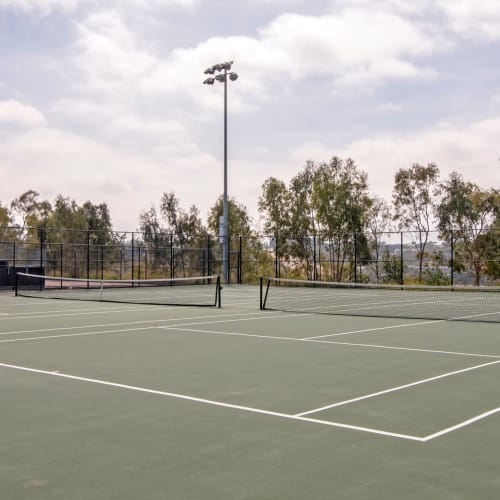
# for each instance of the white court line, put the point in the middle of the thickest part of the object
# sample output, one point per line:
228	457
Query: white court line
393	389
214	403
373	329
461	424
81	334
180	328
397	348
238	319
83	312
375	346
127	323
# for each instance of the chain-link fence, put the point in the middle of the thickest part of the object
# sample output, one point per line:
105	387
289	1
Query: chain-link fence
390	257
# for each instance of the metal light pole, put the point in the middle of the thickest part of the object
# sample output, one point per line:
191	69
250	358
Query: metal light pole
224	71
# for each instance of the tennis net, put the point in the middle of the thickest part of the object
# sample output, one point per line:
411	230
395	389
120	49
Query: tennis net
390	301
195	291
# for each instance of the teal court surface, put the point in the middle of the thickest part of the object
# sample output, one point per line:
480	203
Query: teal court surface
128	401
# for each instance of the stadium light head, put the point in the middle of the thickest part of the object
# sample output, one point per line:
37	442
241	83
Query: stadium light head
233	76
221	78
209	71
209	81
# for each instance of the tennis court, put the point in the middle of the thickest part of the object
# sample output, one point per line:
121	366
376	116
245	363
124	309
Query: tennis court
134	401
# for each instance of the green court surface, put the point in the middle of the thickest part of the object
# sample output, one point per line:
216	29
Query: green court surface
127	401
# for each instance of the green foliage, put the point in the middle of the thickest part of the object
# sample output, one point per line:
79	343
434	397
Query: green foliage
378	222
171	229
328	198
468	213
239	220
435	276
414	196
391	268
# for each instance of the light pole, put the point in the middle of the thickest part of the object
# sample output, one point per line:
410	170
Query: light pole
223	70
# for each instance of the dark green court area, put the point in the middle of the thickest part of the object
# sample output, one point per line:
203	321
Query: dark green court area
134	401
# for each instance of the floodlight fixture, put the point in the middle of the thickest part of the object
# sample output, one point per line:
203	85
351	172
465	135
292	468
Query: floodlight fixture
209	81
233	76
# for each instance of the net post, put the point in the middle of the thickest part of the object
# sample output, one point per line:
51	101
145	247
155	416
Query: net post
15	282
219	295
260	294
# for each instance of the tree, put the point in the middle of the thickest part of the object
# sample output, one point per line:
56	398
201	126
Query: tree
32	212
7	230
171	225
467	213
155	237
341	203
99	223
184	225
241	234
274	206
378	222
303	220
415	197
489	246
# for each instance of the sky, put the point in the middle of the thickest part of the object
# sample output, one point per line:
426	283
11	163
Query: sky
104	101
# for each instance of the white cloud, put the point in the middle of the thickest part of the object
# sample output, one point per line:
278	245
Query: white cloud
479	19
389	107
15	113
471	150
55	162
465	149
42	7
45	7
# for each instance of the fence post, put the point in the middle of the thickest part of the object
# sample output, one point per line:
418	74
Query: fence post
139	262
355	258
209	257
61	263
172	274
314	276
452	257
240	262
88	257
41	236
133	258
401	261
102	262
276	259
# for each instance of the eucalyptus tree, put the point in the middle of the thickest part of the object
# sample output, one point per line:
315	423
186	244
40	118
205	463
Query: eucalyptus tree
470	215
275	208
378	224
341	202
415	197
